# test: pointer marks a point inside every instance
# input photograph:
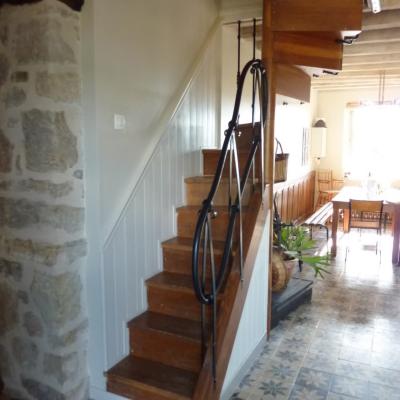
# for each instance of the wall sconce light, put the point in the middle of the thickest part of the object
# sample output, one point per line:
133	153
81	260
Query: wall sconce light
318	139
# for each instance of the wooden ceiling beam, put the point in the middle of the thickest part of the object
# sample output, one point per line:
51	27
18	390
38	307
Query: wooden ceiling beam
378	36
362	74
372	59
383	20
326	16
390	4
369	67
307	49
372	48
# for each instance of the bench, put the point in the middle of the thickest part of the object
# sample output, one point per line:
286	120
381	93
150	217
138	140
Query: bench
319	218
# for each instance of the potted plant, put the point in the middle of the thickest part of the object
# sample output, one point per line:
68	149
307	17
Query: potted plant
296	243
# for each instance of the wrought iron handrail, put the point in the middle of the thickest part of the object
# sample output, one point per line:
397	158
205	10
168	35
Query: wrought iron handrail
203	237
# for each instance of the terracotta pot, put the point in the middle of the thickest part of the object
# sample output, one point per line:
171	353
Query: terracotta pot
282	271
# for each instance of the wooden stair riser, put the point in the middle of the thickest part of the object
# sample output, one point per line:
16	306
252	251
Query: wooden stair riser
187	220
180	261
174	302
197	192
137	391
166	348
211	157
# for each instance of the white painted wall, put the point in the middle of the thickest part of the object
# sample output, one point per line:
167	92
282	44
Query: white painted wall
331	105
290	120
159	66
229	76
253	323
143	52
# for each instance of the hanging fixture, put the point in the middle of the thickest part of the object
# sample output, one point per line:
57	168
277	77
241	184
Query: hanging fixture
318	139
375	6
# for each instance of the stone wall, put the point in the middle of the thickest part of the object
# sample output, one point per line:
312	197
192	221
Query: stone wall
43	321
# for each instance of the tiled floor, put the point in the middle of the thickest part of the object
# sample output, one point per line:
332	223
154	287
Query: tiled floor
345	344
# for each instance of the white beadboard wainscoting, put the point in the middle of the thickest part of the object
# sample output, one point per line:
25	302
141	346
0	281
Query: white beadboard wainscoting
132	253
251	334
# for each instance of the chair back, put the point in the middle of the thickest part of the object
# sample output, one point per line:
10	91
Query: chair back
366	214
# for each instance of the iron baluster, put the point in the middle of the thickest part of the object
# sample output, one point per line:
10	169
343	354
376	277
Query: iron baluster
208	294
203	281
239	197
214	301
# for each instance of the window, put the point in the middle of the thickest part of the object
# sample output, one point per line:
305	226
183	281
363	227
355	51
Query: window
374	142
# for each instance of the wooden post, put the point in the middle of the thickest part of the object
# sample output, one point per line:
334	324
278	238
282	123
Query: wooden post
267	57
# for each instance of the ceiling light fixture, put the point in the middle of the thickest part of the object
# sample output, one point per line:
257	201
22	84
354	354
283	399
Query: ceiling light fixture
375	6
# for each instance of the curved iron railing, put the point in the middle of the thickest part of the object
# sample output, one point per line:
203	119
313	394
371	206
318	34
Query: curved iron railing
207	290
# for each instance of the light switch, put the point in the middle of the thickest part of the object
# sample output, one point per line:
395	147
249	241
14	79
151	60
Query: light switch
119	122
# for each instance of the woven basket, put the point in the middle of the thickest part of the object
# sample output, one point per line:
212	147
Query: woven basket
281	163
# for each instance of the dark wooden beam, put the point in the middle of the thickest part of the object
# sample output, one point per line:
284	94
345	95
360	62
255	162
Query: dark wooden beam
74	4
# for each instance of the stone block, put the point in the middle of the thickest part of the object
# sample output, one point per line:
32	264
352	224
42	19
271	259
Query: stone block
25	352
58	86
4	69
6	154
57	297
8	308
5	185
45	253
55	190
78	333
62	368
40	41
15	97
23	213
23	297
20	76
49	143
40	391
6	369
33	324
12	122
11	269
4	35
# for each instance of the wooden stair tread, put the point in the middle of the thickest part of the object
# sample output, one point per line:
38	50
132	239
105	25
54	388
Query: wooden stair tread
217	151
186	244
181	282
168	324
206	179
219	209
153	376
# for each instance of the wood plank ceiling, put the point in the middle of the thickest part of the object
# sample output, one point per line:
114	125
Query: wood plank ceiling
374	56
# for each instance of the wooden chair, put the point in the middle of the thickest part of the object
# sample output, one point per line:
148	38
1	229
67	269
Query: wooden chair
366	214
324	184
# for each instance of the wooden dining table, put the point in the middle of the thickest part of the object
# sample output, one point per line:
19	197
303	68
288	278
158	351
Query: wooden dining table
391	205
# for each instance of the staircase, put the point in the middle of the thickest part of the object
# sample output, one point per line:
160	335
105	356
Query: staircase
165	341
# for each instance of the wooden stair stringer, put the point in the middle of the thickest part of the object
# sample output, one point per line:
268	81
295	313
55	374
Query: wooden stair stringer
235	294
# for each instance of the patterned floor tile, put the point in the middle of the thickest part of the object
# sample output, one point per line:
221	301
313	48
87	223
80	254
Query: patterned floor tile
335	396
313	379
353	354
343	345
349	387
302	393
380	392
385	376
320	362
274	389
353	370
